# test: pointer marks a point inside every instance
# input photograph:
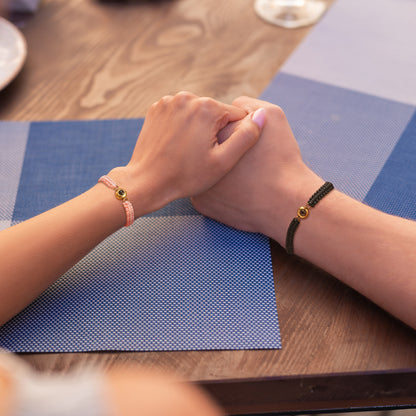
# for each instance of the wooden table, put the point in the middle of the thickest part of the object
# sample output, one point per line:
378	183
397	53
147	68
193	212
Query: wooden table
94	60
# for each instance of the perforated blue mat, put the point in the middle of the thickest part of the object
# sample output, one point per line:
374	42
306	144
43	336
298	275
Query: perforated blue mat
175	280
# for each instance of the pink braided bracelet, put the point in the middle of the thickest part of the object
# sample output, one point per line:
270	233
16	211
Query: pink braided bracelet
120	194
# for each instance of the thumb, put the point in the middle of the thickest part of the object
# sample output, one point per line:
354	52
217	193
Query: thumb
242	139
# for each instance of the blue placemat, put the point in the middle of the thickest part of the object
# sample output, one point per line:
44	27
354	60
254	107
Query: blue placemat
349	92
175	280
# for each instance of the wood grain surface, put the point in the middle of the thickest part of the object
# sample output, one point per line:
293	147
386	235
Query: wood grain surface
92	59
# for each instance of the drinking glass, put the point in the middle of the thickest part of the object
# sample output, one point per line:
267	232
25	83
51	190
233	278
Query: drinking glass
290	13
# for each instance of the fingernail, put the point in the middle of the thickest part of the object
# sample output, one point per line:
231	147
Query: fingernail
259	117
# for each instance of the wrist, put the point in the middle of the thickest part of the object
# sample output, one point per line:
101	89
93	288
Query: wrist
290	192
142	191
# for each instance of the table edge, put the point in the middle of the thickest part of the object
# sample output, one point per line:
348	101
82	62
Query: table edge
341	391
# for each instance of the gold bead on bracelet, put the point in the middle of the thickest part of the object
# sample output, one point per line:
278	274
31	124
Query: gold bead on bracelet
120	193
303	212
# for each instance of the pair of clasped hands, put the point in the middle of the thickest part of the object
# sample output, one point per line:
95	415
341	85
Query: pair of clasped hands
232	160
228	158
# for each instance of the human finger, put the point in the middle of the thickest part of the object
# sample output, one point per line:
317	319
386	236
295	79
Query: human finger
241	139
234	113
211	110
250	104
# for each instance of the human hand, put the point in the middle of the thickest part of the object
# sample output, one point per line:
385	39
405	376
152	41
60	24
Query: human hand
264	190
177	153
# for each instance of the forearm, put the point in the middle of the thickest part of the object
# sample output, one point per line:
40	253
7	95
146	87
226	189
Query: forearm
36	252
368	250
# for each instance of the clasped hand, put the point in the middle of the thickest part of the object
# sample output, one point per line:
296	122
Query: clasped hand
198	147
178	153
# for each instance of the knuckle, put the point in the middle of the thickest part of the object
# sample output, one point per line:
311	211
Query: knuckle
183	97
185	94
164	101
240	99
160	105
206	103
207	109
277	113
153	107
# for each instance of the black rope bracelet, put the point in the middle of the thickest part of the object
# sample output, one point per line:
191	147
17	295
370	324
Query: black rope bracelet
303	213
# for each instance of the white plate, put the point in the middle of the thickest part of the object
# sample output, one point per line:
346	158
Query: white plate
12	51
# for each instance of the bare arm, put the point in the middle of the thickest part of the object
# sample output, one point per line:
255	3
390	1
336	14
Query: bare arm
177	155
368	250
